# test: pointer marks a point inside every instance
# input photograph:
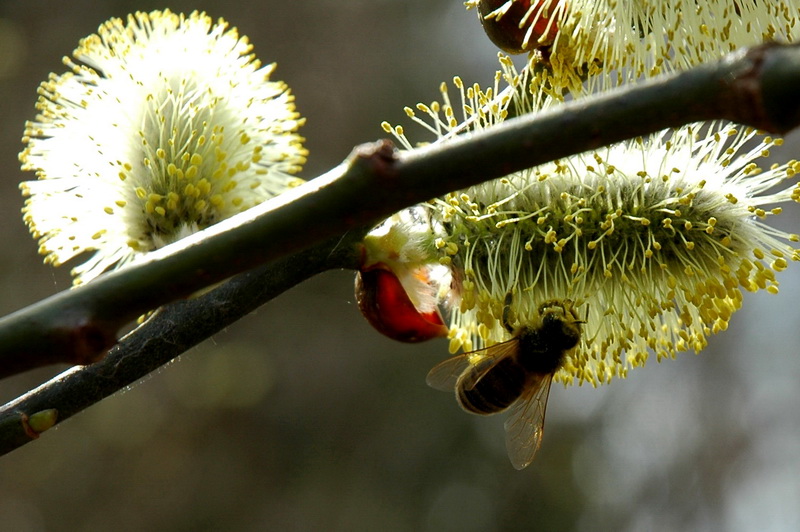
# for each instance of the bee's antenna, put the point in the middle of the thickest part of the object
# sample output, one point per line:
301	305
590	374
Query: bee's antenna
579	303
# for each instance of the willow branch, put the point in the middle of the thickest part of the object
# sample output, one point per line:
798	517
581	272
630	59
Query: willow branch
172	330
755	87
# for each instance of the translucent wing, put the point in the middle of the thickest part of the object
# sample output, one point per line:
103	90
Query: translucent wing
445	375
525	423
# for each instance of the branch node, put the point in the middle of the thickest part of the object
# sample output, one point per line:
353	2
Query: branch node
378	158
38	422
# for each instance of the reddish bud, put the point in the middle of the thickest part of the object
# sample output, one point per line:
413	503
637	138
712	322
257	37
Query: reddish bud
508	30
385	304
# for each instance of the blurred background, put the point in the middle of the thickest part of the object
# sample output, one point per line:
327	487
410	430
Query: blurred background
301	417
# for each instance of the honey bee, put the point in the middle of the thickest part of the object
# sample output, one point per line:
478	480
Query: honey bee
514	375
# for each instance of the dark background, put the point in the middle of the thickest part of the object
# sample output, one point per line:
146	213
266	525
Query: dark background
301	417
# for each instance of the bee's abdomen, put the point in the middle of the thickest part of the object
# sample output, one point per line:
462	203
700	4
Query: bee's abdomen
495	392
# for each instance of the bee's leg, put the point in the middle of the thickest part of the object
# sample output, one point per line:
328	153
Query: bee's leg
507	312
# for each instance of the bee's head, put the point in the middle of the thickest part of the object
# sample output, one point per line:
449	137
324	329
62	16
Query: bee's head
560	319
560	309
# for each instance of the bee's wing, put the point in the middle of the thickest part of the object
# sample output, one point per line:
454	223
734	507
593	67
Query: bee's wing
444	375
525	423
